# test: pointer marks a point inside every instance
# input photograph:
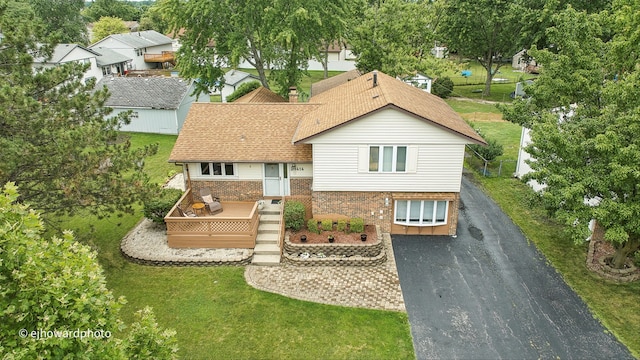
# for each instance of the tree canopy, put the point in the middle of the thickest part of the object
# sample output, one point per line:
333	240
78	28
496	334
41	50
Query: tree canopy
396	37
59	143
483	30
54	301
107	26
584	112
113	8
63	18
269	34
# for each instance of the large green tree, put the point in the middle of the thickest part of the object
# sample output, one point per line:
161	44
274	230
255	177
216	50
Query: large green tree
153	19
54	302
114	8
396	37
59	143
63	17
584	112
483	30
107	26
269	34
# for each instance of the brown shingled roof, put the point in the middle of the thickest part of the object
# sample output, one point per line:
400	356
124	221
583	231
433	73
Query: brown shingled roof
330	83
360	97
261	95
241	132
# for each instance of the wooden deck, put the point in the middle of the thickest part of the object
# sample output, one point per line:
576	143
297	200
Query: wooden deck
165	56
235	227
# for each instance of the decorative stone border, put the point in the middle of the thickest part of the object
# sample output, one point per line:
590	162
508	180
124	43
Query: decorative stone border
143	237
601	268
371	254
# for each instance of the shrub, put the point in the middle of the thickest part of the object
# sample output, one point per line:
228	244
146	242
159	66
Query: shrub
356	224
342	225
312	226
156	207
242	90
327	224
491	151
294	215
442	87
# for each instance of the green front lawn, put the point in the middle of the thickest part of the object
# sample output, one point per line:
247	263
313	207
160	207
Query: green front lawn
217	315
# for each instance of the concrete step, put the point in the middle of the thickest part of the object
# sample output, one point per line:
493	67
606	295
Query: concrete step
266	249
266	260
270	219
269	212
267	238
268	228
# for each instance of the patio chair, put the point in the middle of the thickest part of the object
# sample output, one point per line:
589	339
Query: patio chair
185	213
212	202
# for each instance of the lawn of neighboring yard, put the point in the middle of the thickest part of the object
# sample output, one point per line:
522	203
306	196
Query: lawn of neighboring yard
305	85
217	315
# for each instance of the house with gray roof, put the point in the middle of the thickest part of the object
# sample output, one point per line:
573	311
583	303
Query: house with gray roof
158	104
111	62
147	49
65	53
233	79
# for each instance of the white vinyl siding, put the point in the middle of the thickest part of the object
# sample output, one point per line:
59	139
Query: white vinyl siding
430	168
421	212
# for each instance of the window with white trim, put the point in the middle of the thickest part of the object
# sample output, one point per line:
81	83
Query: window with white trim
387	158
421	212
217	169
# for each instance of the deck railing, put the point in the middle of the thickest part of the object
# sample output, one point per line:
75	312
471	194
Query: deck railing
166	56
219	231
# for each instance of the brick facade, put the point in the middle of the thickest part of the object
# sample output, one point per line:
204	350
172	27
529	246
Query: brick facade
230	190
374	208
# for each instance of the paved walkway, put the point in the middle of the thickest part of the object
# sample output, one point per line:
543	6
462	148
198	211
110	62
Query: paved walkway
376	287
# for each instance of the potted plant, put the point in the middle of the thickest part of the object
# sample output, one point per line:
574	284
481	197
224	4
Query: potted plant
363	237
303	238
330	238
260	204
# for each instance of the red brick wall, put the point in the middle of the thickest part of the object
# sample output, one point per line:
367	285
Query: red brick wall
230	190
371	207
300	186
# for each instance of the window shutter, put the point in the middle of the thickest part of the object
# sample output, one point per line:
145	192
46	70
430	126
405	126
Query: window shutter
363	158
412	159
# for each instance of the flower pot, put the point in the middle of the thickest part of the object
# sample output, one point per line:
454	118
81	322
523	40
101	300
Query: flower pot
363	237
303	238
331	239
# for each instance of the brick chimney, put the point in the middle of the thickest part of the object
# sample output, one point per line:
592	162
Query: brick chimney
293	95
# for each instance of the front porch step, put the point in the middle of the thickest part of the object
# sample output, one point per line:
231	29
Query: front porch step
268	228
268	238
266	249
266	260
270	218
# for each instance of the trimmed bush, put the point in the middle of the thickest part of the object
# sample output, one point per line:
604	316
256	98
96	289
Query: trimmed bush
327	224
442	87
243	90
294	215
157	207
356	224
342	225
312	226
489	152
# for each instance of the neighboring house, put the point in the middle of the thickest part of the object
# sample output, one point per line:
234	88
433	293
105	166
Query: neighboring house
373	147
111	62
323	85
520	85
261	95
64	53
521	61
233	79
420	81
439	52
159	104
147	49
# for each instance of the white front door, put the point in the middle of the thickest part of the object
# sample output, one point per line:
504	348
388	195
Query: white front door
276	179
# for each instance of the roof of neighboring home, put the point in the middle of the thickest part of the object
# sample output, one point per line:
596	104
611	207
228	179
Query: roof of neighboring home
140	39
241	132
329	83
109	57
141	92
232	77
359	97
261	95
61	51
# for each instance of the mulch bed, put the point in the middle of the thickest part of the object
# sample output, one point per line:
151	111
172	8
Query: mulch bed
340	237
603	250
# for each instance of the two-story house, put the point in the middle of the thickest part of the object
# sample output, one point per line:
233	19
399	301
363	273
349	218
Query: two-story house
65	53
146	49
373	147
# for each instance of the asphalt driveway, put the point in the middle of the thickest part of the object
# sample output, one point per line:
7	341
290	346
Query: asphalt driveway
489	294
